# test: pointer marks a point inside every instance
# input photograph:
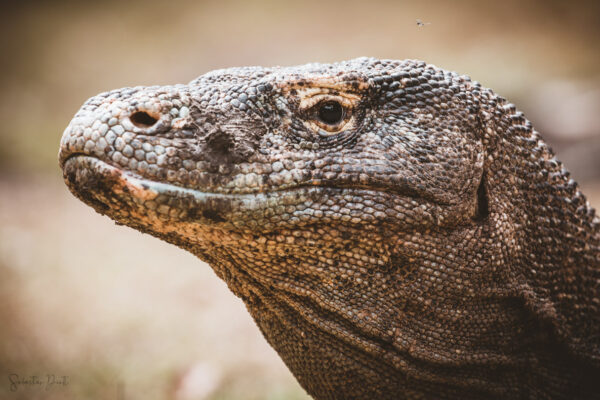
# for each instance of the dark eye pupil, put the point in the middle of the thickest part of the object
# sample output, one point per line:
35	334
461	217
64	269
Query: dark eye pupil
331	112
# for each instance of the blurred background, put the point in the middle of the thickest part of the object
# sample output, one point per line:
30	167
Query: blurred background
125	316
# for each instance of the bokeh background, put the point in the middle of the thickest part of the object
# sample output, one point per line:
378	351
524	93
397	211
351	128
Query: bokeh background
125	316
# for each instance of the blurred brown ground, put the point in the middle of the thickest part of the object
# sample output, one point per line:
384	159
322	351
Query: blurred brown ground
126	316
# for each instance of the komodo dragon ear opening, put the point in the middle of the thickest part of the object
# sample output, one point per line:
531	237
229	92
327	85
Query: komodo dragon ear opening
482	210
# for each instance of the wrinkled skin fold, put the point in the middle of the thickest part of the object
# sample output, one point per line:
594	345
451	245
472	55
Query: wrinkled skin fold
396	230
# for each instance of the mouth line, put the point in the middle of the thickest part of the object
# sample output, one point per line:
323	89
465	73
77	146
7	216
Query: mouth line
147	189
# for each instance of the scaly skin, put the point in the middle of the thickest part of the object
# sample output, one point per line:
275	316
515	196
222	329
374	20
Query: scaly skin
395	230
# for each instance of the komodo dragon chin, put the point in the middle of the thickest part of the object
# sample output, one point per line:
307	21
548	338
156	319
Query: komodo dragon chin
396	230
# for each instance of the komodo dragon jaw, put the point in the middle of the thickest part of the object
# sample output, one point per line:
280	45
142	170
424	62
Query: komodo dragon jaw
395	230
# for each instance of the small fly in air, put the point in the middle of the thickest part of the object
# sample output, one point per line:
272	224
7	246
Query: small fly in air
421	23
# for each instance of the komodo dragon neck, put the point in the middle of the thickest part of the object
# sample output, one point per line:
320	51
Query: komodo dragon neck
395	230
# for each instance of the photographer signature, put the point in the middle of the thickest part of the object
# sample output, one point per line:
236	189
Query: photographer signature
16	381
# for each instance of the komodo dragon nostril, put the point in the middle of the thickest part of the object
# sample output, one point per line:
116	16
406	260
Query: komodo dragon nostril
143	119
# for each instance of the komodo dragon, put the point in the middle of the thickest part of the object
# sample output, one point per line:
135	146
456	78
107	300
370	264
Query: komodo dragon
396	231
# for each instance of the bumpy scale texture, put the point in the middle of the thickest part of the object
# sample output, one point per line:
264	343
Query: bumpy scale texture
397	231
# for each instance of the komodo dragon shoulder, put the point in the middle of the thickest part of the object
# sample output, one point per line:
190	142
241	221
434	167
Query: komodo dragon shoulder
397	231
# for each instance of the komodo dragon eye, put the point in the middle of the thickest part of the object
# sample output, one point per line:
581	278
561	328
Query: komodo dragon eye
331	112
326	111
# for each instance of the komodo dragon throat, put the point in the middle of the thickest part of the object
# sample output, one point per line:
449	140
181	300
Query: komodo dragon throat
397	231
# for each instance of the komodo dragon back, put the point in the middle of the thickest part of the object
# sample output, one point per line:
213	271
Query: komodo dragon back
397	231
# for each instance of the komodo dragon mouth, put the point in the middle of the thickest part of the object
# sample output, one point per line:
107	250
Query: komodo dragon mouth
98	181
103	186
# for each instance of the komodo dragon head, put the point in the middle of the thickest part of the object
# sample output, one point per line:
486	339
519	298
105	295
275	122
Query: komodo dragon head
395	230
